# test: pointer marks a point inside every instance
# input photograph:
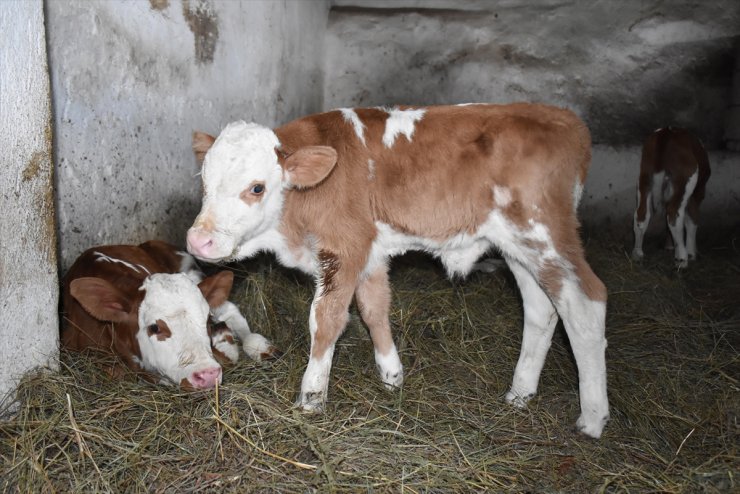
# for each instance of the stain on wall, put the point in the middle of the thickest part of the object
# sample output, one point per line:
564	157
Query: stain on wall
203	23
159	4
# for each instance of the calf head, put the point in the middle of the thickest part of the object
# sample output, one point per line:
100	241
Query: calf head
168	320
245	175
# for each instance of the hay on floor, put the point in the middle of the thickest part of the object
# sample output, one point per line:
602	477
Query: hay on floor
673	387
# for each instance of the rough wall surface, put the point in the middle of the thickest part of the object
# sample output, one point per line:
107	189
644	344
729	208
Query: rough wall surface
626	68
28	265
132	80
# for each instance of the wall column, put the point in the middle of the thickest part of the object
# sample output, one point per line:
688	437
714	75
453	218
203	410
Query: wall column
29	290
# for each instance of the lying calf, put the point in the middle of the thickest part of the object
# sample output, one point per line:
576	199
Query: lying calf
150	306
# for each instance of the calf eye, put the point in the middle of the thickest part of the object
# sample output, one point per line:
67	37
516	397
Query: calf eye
152	329
257	189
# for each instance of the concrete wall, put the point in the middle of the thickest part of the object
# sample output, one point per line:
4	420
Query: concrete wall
626	68
132	80
28	264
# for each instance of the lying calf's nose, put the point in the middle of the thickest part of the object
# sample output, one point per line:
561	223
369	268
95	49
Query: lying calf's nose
205	378
199	244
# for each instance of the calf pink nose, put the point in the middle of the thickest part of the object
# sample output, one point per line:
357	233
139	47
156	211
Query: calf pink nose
205	378
199	244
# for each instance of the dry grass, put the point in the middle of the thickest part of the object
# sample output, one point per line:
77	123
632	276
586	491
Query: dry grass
673	377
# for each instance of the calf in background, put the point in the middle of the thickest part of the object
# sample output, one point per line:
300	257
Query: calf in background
673	173
151	307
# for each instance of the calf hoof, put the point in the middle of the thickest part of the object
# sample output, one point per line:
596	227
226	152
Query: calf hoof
518	400
259	348
682	263
392	380
591	426
637	255
311	402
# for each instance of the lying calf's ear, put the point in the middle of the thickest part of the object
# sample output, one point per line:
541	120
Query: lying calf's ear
202	142
100	299
310	165
216	288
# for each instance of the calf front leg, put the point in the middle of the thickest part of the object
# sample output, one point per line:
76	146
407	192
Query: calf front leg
373	296
327	320
256	346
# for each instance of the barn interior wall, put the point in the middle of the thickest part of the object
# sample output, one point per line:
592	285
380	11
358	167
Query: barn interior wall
132	80
626	68
28	262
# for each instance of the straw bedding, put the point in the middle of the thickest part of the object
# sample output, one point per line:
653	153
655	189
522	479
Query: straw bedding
673	387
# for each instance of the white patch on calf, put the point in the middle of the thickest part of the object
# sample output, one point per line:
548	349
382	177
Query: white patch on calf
137	268
502	196
584	323
400	122
351	116
315	381
223	345
577	194
371	170
176	300
390	368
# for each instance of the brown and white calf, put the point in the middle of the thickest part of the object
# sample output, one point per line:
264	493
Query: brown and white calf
674	170
150	306
338	193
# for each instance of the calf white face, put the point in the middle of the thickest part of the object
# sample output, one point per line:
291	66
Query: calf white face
242	191
172	335
169	323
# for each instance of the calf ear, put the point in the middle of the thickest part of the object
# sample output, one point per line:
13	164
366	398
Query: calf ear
202	142
216	288
310	165
100	299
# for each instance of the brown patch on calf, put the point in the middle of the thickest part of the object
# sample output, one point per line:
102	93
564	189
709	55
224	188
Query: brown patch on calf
249	197
328	265
160	329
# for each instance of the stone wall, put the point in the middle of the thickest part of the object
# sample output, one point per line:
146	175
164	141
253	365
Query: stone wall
132	80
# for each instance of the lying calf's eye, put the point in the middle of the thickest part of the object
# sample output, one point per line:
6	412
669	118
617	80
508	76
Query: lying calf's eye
257	189
152	329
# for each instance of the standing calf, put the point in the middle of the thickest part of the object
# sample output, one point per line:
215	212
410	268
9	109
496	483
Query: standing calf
673	173
337	194
152	308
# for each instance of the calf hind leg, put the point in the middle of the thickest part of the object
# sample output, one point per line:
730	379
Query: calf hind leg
373	300
676	215
581	303
641	218
540	319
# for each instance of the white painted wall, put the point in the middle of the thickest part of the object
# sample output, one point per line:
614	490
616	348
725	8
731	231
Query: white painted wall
29	326
132	80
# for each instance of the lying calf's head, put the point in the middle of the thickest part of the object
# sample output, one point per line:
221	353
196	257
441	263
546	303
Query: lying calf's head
166	324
